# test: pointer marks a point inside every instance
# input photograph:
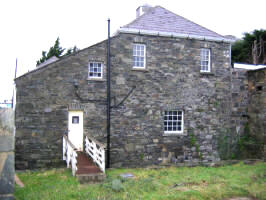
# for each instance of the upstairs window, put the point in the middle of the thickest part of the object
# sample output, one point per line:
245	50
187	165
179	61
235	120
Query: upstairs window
173	122
95	70
139	54
205	60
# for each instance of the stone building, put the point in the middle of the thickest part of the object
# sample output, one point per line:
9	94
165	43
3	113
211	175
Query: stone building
171	96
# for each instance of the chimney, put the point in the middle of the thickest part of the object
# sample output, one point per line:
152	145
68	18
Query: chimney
142	9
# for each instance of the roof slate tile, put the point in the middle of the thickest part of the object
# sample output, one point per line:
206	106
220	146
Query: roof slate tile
162	20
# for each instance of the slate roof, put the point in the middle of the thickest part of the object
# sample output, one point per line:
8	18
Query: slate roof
162	20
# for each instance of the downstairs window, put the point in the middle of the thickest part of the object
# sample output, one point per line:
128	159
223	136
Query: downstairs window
173	122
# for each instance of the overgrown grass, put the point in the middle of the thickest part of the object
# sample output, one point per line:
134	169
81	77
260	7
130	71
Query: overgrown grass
167	183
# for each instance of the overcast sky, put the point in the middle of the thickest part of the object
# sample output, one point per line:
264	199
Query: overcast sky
30	26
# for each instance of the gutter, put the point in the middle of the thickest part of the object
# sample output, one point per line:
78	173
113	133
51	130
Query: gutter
172	34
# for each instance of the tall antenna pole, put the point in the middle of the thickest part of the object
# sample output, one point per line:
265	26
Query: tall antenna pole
108	98
14	84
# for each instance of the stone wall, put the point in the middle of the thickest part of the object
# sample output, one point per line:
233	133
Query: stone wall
257	110
43	98
248	114
7	171
239	99
172	80
239	90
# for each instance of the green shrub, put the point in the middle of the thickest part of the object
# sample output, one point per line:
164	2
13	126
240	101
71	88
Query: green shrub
117	185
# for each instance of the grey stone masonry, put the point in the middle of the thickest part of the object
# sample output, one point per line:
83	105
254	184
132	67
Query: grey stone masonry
171	81
257	108
248	110
7	170
239	99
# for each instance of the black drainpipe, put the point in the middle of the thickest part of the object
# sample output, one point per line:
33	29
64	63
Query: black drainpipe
108	99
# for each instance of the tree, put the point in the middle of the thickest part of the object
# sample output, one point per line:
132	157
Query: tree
57	51
71	50
251	49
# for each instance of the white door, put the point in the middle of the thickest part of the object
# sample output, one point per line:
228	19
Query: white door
75	128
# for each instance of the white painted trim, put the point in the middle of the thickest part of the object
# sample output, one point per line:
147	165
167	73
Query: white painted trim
94	77
172	34
182	126
209	61
248	66
144	62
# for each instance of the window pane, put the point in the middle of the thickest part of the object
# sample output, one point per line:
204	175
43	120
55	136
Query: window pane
173	121
138	55
204	59
95	69
75	119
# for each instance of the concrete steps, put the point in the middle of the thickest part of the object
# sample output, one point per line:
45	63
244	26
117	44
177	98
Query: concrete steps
88	171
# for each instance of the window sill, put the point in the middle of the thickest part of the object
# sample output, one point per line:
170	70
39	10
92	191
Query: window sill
207	73
173	134
139	69
95	79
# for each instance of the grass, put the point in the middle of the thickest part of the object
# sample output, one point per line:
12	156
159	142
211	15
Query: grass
197	183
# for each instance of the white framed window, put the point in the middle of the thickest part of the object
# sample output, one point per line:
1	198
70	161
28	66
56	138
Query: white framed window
95	70
139	56
173	122
205	60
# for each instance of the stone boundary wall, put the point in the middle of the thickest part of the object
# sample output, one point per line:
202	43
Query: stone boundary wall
7	170
257	109
239	99
248	112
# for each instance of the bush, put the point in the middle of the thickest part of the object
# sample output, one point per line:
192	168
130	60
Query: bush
117	185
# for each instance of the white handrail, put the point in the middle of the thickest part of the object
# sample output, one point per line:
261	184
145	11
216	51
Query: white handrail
96	151
70	154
